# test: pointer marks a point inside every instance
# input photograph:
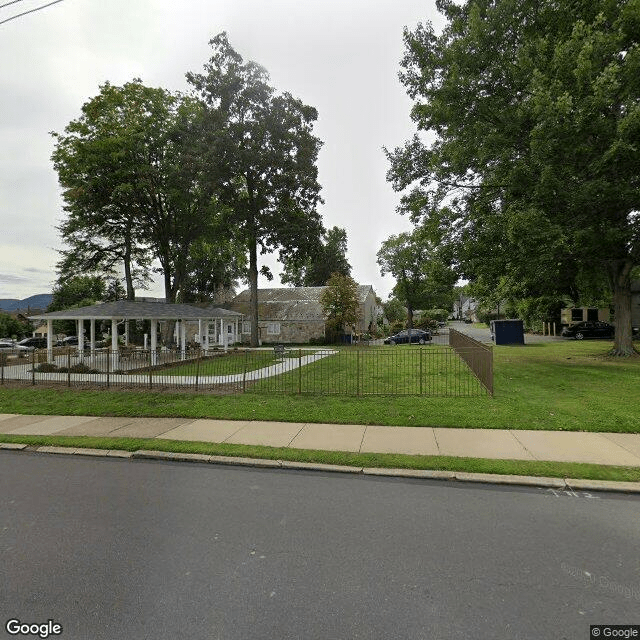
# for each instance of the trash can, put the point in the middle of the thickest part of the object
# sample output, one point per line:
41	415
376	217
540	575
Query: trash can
507	331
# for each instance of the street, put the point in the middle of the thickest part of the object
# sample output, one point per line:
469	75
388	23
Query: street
112	549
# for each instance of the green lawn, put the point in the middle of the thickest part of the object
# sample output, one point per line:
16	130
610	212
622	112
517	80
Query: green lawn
430	370
230	363
557	385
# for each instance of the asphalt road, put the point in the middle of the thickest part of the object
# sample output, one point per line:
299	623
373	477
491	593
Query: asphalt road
127	549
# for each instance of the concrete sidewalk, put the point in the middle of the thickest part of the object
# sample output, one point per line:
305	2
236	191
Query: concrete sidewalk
560	446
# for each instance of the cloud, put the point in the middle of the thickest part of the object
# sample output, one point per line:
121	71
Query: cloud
8	278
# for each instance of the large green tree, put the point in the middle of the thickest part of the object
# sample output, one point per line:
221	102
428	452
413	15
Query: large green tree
260	157
339	300
134	192
424	278
326	257
532	167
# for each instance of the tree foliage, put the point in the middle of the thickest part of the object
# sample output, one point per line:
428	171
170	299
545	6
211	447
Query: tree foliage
533	174
340	302
11	327
327	256
424	279
134	192
74	292
260	158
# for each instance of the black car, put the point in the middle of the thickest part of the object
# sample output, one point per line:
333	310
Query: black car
33	343
417	335
582	330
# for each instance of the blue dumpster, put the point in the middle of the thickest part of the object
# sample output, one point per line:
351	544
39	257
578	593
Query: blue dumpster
507	331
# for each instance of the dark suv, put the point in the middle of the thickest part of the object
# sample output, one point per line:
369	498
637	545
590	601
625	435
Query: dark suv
33	343
582	330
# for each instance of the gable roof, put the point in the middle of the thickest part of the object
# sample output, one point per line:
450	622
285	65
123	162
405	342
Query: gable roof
295	294
290	303
136	310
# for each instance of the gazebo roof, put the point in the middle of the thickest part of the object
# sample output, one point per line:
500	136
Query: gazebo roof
138	310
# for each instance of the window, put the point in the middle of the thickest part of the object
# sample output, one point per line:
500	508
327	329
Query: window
246	327
273	329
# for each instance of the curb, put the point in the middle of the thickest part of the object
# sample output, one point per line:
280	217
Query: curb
427	474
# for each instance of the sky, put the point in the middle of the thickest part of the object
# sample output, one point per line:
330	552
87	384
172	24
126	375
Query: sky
340	56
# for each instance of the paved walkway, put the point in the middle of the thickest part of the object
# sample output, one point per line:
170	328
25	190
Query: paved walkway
597	448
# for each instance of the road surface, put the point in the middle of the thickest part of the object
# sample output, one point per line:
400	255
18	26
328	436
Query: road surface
112	549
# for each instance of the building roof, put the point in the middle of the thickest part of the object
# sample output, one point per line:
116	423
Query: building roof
300	304
137	310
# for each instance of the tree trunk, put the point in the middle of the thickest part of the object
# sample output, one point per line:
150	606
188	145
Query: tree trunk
253	290
620	275
170	298
128	277
409	319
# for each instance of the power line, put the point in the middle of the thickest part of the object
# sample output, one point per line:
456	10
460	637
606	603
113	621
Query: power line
24	13
6	4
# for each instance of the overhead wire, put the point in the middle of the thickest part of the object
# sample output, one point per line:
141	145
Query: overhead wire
6	4
24	13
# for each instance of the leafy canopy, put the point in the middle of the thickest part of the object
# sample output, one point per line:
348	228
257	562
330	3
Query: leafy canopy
531	165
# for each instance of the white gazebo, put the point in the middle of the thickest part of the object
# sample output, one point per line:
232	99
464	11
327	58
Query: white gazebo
222	324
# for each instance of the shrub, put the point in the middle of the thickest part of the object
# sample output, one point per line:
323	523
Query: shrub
47	367
82	368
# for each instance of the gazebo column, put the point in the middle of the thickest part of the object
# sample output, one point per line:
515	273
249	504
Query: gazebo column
154	342
115	360
92	338
50	341
80	332
183	340
126	333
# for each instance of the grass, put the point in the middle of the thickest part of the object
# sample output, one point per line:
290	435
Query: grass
387	461
232	362
406	370
568	386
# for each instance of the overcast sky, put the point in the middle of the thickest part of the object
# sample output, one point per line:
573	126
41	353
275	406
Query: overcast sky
340	56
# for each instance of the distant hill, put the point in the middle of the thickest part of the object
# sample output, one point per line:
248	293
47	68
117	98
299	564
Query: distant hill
39	301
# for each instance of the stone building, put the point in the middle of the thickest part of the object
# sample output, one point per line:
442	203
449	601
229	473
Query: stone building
294	314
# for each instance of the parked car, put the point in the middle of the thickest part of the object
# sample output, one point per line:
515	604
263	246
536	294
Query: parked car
33	343
417	335
582	330
69	341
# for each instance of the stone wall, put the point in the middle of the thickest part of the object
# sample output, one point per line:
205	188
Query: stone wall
290	332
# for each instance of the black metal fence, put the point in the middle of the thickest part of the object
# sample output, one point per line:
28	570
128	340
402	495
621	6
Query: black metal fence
430	370
478	356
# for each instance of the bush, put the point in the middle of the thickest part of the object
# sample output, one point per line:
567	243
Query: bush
487	316
82	368
47	367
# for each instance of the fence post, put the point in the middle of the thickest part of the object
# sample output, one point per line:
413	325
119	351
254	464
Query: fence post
420	350
150	371
33	367
3	359
299	371
108	365
69	368
198	367
244	370
358	372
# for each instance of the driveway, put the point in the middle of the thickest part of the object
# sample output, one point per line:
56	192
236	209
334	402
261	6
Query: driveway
484	335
